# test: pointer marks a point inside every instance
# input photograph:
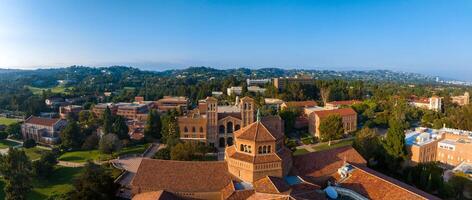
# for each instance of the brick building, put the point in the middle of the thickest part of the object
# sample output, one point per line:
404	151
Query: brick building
172	103
461	100
348	115
43	130
66	111
215	124
339	104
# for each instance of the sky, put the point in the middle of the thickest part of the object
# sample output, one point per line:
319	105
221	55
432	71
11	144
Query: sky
426	36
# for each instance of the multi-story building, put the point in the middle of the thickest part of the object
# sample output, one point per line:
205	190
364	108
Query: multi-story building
234	90
255	89
66	111
101	107
134	111
172	103
461	100
298	104
281	83
433	103
251	82
348	115
43	130
448	146
215	124
339	104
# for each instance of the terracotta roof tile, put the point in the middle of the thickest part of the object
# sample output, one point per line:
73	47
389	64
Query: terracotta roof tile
255	132
181	176
301	103
272	185
341	111
157	195
42	121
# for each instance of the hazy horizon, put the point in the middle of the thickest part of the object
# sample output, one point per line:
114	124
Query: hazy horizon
427	37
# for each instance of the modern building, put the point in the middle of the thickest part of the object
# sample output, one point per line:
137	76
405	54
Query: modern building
273	103
251	82
433	103
66	111
234	90
461	100
43	130
255	89
447	146
168	103
100	108
339	104
282	82
348	115
215	124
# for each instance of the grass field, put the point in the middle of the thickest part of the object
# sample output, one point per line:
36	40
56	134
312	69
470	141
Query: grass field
6	143
7	121
325	146
96	155
59	183
34	153
57	89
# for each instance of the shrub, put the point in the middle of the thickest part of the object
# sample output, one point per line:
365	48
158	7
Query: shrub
3	135
29	143
163	154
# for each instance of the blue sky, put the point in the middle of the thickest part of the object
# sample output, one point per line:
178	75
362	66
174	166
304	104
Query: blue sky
426	36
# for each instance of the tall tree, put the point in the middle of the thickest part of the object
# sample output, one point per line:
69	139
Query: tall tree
331	128
120	128
110	143
170	128
153	125
394	144
71	136
96	183
44	167
367	143
107	121
15	167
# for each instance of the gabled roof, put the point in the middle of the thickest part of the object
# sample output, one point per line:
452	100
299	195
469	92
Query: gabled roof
181	176
342	112
255	132
42	121
271	185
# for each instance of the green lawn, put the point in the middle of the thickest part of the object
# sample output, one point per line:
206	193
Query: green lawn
96	155
57	89
325	146
300	152
6	143
34	153
59	183
7	121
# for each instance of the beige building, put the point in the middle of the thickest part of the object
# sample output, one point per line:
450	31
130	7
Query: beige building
339	104
43	130
461	100
281	83
433	103
66	111
172	103
348	115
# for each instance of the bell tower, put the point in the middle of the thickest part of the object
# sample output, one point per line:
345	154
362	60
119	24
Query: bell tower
212	117
247	107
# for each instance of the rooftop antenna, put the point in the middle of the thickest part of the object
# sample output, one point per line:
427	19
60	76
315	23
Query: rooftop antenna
258	115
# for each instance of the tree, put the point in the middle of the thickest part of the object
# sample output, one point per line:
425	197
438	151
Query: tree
110	143
394	144
91	142
107	121
331	128
182	151
29	143
367	143
460	184
120	128
14	130
71	137
96	183
44	167
163	154
170	128
289	117
153	125
15	167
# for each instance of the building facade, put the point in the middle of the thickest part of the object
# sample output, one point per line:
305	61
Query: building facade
461	100
66	111
168	103
281	83
433	103
43	130
214	124
348	115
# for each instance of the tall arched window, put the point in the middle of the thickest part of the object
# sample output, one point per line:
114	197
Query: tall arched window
221	129
229	127
201	129
260	150
185	129
268	149
264	149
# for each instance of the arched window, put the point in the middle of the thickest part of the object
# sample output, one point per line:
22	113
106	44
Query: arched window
242	147
229	127
222	142
185	129
221	129
237	127
193	129
260	150
268	149
264	149
201	129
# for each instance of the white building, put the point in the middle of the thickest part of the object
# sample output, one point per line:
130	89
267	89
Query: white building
236	90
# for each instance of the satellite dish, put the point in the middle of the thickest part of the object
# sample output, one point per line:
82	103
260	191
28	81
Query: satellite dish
331	192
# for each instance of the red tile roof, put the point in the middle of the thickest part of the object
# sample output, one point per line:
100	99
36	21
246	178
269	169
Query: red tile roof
301	103
374	185
255	132
157	195
341	111
272	185
42	121
181	176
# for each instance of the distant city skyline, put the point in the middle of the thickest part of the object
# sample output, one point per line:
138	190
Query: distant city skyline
428	37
